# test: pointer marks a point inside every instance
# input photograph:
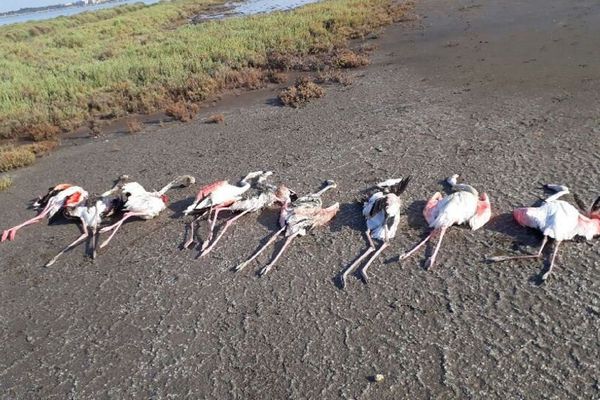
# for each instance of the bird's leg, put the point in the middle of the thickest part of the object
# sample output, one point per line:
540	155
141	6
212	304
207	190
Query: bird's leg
80	239
227	225
547	274
370	239
357	262
212	228
363	270
10	233
404	256
287	242
537	255
94	242
431	260
116	227
257	253
191	239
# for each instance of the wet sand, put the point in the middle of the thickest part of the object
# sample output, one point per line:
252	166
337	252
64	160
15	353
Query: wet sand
506	94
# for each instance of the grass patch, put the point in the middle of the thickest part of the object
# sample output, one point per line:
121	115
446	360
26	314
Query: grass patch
5	182
333	76
182	111
15	157
12	157
60	74
347	58
301	93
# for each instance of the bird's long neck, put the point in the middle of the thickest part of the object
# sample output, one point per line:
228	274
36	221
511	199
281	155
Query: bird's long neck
461	187
243	185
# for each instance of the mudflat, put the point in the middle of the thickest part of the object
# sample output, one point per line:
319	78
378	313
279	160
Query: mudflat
506	94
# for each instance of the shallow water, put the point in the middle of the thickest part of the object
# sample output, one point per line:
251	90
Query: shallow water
248	7
42	15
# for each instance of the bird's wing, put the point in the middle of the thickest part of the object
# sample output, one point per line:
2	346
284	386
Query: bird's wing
146	203
133	189
455	209
371	203
70	197
203	198
483	213
587	227
532	217
430	211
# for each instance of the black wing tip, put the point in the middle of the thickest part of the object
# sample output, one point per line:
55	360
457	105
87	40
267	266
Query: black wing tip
596	205
401	186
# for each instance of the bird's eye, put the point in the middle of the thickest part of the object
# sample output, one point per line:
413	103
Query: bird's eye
127	194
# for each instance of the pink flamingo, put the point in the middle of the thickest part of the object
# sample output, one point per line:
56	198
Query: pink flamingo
261	195
215	197
296	219
558	220
141	203
65	197
91	213
465	205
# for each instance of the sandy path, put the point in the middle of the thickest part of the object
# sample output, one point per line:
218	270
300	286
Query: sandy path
508	98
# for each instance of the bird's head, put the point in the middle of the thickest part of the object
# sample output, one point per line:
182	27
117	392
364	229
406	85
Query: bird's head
164	198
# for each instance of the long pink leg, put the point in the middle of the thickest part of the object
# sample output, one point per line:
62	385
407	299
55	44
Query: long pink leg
80	239
417	247
537	255
227	225
363	271
271	240
268	267
431	260
116	227
10	233
353	266
212	226
191	239
545	276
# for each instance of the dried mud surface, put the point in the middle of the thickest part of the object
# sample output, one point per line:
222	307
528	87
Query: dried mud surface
504	93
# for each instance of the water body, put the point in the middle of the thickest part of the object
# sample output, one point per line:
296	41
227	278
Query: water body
42	15
248	7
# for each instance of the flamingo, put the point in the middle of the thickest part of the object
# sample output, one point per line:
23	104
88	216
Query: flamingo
215	197
296	219
91	214
65	197
465	205
558	220
261	195
382	213
141	203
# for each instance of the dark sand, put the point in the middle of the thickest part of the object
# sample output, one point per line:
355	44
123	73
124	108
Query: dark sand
505	93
